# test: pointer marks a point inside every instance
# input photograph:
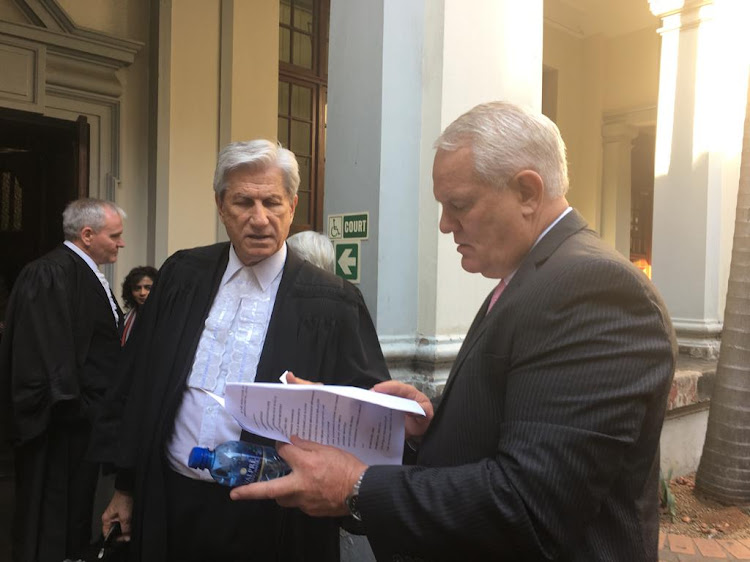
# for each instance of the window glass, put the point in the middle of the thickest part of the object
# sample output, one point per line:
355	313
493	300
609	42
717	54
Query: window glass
283	97
301	102
303	15
301	140
11	203
285	43
304	172
5	202
18	206
285	11
302	49
284	132
302	214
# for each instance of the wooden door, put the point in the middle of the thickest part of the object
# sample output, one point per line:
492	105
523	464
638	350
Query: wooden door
43	166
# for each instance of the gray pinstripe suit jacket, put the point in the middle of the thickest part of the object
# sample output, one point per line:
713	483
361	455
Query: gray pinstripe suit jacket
546	443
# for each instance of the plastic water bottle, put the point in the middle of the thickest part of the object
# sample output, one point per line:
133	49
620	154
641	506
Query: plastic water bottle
236	463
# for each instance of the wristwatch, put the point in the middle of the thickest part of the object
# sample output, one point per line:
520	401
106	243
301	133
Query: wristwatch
352	500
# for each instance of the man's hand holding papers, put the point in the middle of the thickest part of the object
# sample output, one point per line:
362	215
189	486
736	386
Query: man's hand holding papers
416	424
323	475
370	425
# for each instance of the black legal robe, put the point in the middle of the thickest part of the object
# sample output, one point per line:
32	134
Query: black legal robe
320	329
58	356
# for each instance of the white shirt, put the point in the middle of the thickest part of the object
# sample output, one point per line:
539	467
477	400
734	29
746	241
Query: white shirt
99	275
228	351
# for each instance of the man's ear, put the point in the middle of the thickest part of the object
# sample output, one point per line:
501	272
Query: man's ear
87	233
529	187
219	207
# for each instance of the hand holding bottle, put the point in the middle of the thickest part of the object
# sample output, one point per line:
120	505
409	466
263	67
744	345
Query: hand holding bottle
321	478
235	463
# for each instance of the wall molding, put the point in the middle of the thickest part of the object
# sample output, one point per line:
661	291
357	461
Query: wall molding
424	362
58	69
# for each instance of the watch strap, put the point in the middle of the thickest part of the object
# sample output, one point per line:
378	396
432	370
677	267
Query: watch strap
352	500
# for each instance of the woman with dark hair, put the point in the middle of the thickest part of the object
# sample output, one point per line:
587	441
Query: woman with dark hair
135	290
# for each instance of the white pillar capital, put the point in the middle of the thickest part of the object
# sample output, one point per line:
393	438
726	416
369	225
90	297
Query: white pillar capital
681	14
618	132
663	8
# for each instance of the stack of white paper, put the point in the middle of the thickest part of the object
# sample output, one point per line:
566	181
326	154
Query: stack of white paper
370	425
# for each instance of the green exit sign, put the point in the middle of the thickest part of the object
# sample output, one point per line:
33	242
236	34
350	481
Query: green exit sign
348	260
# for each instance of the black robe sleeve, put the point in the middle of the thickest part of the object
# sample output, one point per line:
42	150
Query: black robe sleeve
153	366
322	331
38	379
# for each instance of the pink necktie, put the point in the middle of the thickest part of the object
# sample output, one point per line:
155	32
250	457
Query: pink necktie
496	294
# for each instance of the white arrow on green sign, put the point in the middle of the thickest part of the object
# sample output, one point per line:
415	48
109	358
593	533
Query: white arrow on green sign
348	263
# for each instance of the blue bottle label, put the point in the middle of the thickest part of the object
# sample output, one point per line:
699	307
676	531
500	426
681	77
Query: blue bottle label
249	472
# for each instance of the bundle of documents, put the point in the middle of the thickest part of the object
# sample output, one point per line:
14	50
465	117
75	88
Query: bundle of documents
370	425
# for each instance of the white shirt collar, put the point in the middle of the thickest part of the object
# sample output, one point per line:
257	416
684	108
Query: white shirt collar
84	256
507	278
552	224
265	271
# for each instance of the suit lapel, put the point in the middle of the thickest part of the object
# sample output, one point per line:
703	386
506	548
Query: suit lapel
568	225
476	328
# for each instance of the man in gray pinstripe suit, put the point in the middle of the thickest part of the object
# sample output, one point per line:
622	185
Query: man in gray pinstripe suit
545	445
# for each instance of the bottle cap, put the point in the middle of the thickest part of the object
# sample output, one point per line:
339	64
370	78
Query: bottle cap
199	457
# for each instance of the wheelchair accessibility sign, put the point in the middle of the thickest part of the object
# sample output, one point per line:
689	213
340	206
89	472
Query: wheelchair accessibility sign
354	226
335	227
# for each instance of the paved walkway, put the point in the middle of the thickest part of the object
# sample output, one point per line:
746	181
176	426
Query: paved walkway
679	548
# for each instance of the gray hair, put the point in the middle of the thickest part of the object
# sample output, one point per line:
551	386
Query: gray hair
506	139
315	248
85	212
257	154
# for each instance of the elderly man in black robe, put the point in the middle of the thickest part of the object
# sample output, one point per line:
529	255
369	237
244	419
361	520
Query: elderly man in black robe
58	355
242	311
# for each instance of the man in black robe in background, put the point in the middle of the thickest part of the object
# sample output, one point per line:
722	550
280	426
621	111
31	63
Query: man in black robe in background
59	352
188	340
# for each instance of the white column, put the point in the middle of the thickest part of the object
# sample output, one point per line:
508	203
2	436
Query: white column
187	125
703	81
482	60
399	72
617	144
